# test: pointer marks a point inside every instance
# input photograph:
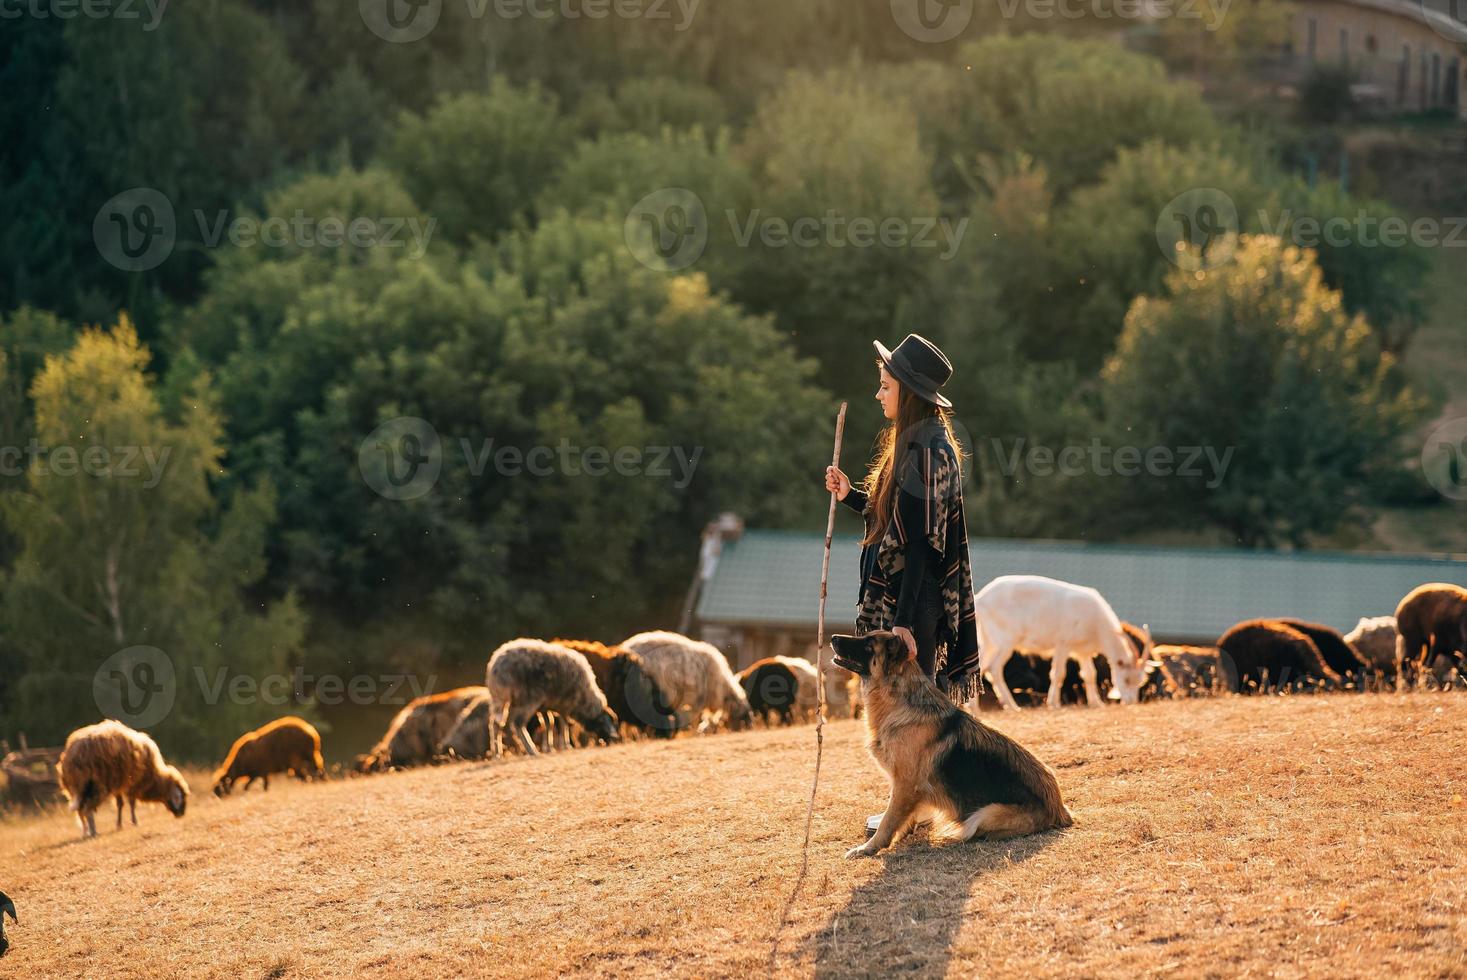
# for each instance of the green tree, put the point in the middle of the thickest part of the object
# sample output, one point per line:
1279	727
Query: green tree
475	161
1257	358
123	544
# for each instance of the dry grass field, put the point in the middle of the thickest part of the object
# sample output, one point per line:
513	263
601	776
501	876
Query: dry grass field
1295	836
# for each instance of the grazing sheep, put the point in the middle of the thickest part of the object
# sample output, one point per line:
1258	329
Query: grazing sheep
7	907
1188	672
1264	654
1375	640
694	676
416	731
1432	623
1058	620
631	694
1337	653
807	695
110	759
468	736
285	745
525	676
772	687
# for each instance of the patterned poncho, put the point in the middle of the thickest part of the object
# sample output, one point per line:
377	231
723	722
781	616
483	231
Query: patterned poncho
929	501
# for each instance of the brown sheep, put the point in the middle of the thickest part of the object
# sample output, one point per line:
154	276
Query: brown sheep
772	688
631	694
418	729
1187	672
285	745
1342	658
1264	654
1432	622
110	759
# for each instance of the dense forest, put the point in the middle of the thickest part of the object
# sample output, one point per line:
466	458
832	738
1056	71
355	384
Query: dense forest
243	239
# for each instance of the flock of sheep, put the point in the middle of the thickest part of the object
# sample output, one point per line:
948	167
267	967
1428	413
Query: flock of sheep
1041	640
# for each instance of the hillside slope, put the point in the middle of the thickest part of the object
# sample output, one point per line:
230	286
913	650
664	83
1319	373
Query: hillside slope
1239	836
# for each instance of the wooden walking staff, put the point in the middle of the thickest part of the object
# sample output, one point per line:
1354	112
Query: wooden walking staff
840	428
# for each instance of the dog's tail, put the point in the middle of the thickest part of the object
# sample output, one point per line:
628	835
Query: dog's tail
997	821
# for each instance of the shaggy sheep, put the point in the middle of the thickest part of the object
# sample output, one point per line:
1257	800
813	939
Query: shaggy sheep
1264	654
1340	656
110	759
1432	622
631	694
772	687
417	730
7	907
842	694
1187	672
468	736
695	676
285	745
525	676
1375	641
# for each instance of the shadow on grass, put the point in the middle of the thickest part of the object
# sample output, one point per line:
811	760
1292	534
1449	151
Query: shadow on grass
906	918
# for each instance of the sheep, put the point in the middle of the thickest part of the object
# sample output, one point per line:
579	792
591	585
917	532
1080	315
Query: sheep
1337	653
1187	671
525	675
1059	620
110	759
631	694
807	694
842	694
468	736
1375	640
7	907
771	687
416	731
1432	622
1257	653
695	676
286	744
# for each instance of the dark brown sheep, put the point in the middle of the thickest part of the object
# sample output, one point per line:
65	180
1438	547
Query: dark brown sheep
1265	655
631	694
286	744
772	688
1342	658
7	907
1185	671
1432	622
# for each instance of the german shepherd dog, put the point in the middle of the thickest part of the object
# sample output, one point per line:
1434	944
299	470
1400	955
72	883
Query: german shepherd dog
943	763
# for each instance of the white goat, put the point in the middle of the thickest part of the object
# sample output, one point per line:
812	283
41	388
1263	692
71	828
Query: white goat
1061	621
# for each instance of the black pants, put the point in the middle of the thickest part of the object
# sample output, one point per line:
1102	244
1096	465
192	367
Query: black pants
929	616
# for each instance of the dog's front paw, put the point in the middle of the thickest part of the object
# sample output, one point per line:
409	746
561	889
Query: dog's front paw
864	851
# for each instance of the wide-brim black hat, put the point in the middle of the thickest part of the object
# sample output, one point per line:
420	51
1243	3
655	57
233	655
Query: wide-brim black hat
918	365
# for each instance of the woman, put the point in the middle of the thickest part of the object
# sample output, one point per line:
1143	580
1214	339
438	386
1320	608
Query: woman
916	577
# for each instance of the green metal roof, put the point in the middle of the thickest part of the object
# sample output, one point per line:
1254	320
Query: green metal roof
772	578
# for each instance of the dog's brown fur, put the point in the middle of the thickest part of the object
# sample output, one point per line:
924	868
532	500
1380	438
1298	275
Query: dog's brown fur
944	762
286	744
110	759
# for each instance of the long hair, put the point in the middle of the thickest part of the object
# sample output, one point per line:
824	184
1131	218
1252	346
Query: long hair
880	483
